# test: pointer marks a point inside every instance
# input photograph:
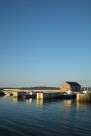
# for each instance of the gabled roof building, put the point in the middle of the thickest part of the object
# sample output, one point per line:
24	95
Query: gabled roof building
70	86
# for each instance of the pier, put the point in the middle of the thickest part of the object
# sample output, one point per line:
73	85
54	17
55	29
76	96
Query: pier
48	95
81	97
39	94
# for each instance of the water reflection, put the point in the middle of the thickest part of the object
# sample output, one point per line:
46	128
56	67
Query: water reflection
67	103
29	101
39	102
16	99
82	104
57	117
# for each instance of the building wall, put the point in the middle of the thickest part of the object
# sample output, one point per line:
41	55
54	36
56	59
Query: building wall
65	87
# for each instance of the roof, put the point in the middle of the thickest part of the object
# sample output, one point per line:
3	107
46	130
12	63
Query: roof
73	83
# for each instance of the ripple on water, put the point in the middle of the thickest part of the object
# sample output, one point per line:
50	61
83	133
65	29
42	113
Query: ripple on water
52	118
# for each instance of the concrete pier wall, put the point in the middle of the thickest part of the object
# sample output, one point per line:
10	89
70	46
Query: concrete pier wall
17	94
47	95
43	95
84	97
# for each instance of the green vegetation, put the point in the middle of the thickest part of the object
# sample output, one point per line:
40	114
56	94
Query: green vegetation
41	88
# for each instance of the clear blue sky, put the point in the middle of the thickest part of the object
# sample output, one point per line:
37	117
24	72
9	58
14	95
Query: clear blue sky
44	42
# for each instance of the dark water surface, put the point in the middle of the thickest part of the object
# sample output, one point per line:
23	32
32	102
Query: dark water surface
49	118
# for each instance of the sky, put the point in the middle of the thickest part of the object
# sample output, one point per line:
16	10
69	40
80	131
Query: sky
44	42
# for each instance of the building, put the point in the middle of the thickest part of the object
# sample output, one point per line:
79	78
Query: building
70	86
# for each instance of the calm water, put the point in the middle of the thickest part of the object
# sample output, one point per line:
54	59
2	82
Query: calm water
49	118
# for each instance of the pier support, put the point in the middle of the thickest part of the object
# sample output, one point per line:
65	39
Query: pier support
17	94
84	97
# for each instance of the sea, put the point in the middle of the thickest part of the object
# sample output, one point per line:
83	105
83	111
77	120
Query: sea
31	117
